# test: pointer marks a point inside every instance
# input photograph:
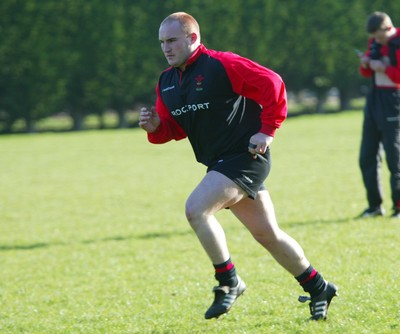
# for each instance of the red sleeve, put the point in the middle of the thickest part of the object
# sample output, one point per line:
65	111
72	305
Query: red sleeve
366	71
168	129
260	84
393	72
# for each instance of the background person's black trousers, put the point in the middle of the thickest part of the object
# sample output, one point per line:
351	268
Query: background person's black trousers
381	129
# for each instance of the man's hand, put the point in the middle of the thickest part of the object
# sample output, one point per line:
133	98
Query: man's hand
149	119
259	143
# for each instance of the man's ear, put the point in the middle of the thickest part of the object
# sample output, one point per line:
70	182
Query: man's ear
193	37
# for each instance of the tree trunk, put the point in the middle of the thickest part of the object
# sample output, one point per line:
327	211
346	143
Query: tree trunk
122	122
8	123
321	99
77	119
102	122
30	125
344	100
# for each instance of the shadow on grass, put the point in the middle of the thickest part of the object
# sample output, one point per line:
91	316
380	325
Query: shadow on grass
25	247
167	235
159	235
318	221
145	236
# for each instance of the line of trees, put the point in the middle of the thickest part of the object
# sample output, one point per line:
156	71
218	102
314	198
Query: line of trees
86	57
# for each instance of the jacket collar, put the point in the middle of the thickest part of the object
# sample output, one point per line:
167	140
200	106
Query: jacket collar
196	54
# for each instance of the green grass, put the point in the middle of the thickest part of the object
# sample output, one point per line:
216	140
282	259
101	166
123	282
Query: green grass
93	237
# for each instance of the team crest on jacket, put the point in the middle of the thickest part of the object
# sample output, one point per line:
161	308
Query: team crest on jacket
199	83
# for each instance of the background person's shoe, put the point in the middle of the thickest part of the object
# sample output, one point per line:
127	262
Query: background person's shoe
396	214
319	305
225	297
373	212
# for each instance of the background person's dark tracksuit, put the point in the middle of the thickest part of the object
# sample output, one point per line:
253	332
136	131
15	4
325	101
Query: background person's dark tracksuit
381	127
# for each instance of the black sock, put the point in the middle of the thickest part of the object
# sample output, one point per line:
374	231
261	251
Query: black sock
311	281
225	273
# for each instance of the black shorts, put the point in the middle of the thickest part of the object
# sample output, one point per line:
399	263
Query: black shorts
248	173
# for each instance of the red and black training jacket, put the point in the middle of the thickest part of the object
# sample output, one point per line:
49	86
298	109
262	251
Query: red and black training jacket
219	101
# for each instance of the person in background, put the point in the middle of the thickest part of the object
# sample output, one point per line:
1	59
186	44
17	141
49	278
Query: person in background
381	126
229	108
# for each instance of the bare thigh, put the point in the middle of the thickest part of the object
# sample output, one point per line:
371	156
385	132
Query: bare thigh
258	215
213	193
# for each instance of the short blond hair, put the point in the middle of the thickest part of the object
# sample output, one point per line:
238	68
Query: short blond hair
188	22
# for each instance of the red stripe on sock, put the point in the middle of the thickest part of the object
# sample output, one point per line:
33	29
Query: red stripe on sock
309	278
224	269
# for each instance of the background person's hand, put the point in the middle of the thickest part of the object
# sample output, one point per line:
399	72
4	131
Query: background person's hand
364	60
377	65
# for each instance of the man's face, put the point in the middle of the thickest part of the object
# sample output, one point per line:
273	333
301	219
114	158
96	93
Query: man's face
381	36
175	44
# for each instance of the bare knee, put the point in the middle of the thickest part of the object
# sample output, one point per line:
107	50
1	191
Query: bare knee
193	214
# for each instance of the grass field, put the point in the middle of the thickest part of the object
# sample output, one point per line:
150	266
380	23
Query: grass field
93	237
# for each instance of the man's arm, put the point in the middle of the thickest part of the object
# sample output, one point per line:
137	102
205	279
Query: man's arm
364	68
262	85
159	124
393	72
